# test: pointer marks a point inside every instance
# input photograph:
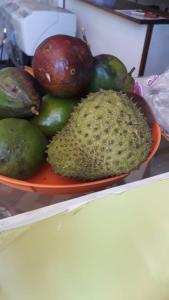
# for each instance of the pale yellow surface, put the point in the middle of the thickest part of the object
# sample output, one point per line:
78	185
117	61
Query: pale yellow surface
116	248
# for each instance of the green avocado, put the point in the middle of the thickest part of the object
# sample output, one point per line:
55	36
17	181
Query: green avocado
22	148
109	73
54	113
19	94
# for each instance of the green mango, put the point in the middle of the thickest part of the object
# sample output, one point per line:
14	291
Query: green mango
19	95
54	113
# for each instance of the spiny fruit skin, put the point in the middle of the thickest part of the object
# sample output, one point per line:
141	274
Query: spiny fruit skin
106	135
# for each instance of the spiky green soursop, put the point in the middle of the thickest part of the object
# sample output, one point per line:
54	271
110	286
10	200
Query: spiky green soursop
106	135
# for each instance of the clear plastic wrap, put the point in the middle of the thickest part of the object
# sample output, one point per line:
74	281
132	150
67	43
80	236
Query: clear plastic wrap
8	47
155	90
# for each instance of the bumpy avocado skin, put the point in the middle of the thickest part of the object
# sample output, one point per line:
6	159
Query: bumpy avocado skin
106	135
22	148
18	93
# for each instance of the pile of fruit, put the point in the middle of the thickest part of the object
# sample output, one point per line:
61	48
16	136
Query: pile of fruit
75	113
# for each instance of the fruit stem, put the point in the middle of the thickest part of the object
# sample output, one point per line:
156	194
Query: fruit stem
131	71
34	110
83	31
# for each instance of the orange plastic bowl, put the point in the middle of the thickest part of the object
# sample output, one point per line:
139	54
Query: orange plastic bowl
47	182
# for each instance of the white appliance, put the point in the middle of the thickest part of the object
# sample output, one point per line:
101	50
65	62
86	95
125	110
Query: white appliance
30	23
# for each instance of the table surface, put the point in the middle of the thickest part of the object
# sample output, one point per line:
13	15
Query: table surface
130	11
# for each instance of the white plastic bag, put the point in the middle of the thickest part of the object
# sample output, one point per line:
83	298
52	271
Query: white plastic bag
155	90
